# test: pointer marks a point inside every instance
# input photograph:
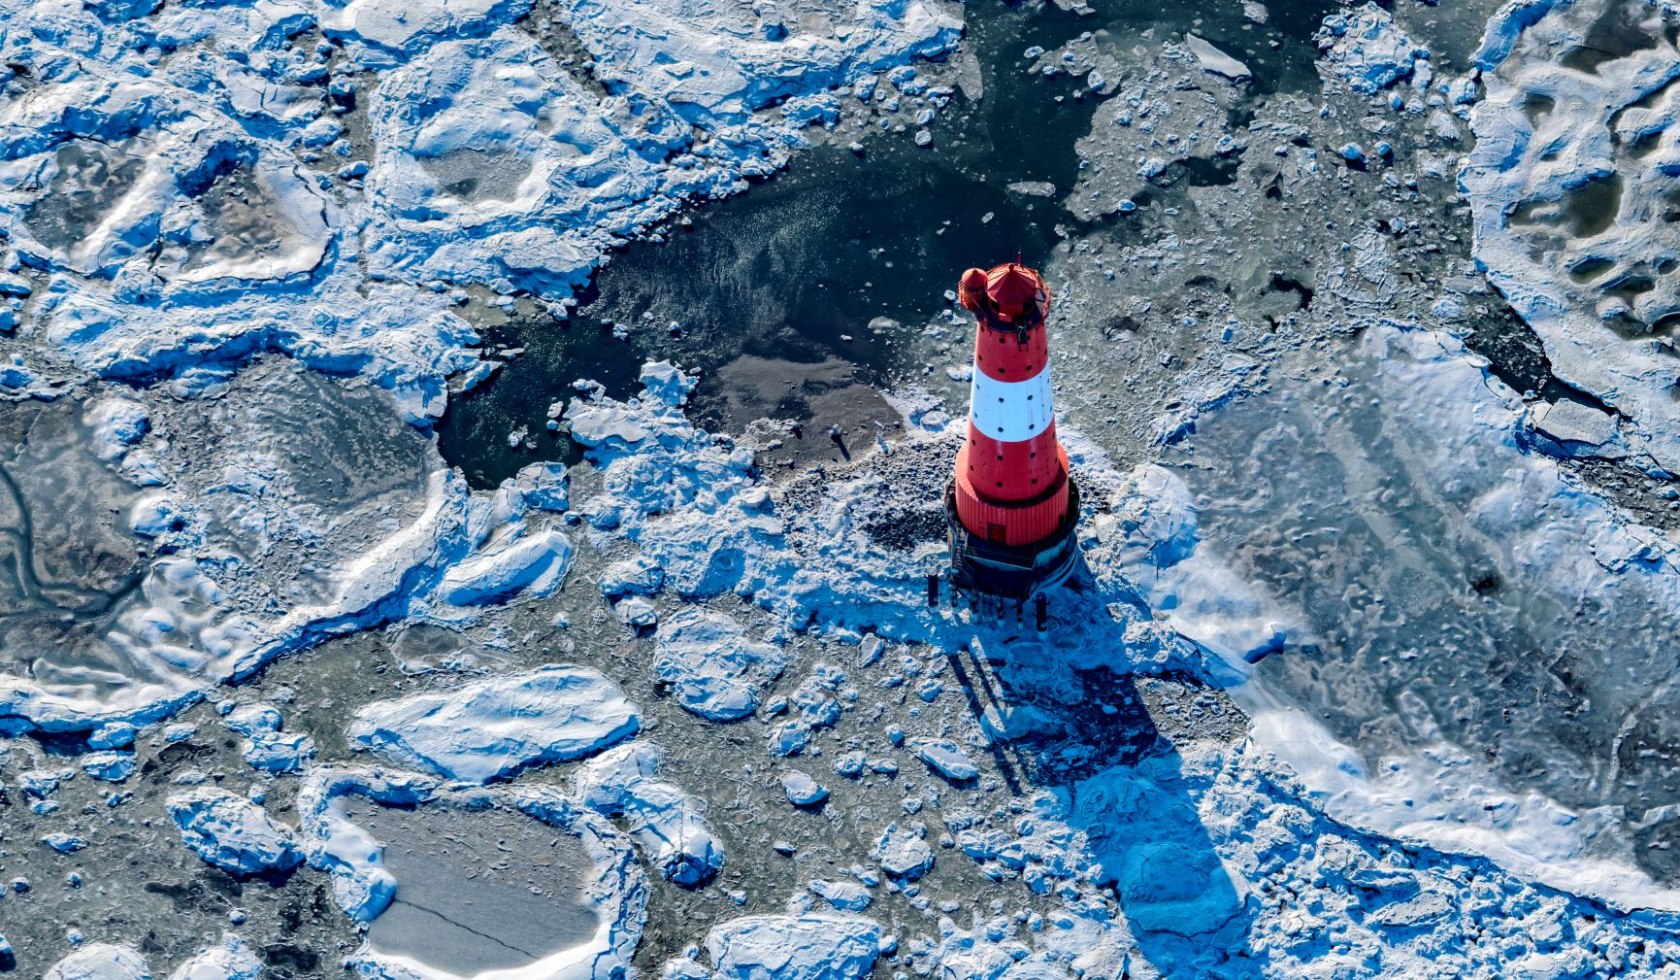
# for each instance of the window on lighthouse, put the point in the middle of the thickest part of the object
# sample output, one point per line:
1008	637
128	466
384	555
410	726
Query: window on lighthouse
995	533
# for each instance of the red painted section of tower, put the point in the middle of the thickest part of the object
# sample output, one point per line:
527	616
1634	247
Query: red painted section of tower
1011	473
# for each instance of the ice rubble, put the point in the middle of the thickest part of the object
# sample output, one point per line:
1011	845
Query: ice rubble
1571	183
233	833
617	887
495	728
1365	49
265	747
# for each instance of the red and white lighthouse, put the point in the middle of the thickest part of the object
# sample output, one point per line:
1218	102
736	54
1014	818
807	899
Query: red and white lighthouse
1012	505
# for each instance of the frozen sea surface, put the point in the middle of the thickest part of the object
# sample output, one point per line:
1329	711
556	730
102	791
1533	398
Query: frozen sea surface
1361	672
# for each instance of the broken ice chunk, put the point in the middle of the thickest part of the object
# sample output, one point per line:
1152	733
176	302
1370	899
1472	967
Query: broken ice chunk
805	947
903	853
100	961
229	960
1215	61
847	896
536	564
496	728
802	790
713	670
232	833
944	757
664	821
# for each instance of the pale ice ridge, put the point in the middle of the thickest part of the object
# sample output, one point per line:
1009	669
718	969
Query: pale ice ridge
1571	183
616	886
1558	543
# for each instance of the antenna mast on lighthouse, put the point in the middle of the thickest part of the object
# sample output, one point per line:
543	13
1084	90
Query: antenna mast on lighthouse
1011	505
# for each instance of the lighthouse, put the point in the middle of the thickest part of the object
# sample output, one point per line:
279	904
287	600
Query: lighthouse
1011	504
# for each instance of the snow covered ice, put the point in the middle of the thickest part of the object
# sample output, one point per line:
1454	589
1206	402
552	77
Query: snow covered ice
1362	357
493	729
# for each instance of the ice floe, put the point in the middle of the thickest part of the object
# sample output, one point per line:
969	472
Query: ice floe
231	959
233	833
496	728
101	961
614	884
667	823
805	947
711	667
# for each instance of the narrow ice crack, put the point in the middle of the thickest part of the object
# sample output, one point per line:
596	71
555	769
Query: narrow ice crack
466	928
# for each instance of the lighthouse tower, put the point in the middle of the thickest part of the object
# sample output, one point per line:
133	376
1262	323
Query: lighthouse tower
1012	506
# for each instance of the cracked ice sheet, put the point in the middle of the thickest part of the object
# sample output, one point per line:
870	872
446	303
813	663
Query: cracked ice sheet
613	887
1571	186
1400	654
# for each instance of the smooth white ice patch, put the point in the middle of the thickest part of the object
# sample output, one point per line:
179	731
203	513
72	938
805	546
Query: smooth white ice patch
101	961
788	947
231	959
232	833
1571	185
496	728
667	823
712	669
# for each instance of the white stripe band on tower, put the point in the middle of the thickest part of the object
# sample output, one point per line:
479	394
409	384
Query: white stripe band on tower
1010	411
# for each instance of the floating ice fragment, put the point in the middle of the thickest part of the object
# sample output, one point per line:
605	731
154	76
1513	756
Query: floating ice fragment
110	767
847	896
231	959
944	757
903	852
802	790
664	821
633	576
1366	49
713	670
494	729
1216	61
785	947
100	961
232	833
535	564
64	843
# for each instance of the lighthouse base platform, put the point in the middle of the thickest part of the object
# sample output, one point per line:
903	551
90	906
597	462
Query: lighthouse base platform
982	568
